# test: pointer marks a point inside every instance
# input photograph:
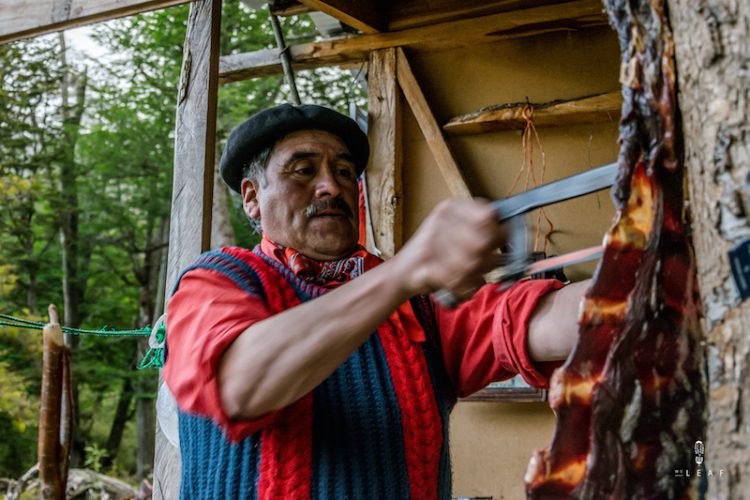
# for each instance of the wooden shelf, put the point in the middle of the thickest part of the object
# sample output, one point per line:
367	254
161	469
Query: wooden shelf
599	108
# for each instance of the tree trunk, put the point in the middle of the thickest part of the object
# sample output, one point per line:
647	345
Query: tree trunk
122	415
150	277
713	55
72	112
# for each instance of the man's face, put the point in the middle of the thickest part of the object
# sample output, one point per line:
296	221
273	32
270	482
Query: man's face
308	200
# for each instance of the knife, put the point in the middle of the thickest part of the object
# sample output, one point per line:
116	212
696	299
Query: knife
556	191
567	188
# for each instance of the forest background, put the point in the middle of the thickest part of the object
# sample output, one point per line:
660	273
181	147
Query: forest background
86	157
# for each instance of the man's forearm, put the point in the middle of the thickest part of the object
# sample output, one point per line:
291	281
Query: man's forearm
553	327
278	360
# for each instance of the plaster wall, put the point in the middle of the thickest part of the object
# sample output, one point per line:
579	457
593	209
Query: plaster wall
491	442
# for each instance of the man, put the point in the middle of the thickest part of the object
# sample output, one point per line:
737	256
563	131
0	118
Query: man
308	368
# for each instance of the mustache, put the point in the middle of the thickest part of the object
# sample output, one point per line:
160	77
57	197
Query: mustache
318	206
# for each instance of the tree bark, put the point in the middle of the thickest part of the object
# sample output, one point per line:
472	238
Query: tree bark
73	290
149	275
122	415
713	53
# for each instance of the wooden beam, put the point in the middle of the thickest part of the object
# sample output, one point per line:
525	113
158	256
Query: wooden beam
192	192
566	16
288	8
591	109
266	62
406	14
27	18
384	181
430	129
364	15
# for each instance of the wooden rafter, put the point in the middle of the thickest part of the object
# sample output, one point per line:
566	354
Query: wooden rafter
590	109
430	129
410	14
27	18
467	32
363	15
288	8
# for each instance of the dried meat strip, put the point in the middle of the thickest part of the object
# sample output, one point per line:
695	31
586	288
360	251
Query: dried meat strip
630	400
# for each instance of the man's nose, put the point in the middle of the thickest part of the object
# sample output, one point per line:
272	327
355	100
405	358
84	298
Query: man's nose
326	183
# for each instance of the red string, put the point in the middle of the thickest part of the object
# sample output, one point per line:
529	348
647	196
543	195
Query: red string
527	143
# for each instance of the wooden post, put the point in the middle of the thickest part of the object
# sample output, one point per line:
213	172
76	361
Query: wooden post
384	170
190	228
53	448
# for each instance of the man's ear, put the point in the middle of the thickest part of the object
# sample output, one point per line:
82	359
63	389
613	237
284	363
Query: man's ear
250	203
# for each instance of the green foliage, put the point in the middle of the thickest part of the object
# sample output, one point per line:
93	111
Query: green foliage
94	457
122	154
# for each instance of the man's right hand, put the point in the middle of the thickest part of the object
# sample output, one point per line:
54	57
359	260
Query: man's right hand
452	249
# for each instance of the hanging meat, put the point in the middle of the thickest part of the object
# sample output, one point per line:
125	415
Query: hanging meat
630	400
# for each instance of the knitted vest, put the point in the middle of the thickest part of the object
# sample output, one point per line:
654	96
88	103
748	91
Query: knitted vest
375	428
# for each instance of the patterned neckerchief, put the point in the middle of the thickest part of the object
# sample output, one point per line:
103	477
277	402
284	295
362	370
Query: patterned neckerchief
331	273
325	273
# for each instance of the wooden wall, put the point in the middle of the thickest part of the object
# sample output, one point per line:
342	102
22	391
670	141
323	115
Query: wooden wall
491	442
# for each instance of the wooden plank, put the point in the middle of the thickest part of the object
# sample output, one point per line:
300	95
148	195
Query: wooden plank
192	192
27	18
600	108
266	62
283	8
384	188
430	129
363	15
566	16
406	14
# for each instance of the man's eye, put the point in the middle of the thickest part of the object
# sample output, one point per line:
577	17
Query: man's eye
304	170
346	172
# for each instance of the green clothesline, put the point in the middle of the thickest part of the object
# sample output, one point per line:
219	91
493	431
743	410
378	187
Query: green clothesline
153	358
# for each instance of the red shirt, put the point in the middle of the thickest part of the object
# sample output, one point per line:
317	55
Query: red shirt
483	340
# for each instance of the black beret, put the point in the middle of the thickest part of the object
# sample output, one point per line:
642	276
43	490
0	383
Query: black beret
265	128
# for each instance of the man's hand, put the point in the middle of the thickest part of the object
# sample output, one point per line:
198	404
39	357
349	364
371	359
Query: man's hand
452	249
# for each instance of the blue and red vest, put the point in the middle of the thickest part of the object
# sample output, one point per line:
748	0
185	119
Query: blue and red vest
375	428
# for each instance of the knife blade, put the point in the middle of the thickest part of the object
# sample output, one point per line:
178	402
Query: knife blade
556	191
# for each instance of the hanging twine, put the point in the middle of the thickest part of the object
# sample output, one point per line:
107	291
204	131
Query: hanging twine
527	165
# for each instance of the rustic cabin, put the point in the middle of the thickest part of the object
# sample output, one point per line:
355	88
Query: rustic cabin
479	98
448	84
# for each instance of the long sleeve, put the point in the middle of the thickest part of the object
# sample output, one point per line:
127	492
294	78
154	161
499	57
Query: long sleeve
484	339
205	316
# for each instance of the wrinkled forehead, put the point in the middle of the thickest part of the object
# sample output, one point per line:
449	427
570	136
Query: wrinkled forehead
312	142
